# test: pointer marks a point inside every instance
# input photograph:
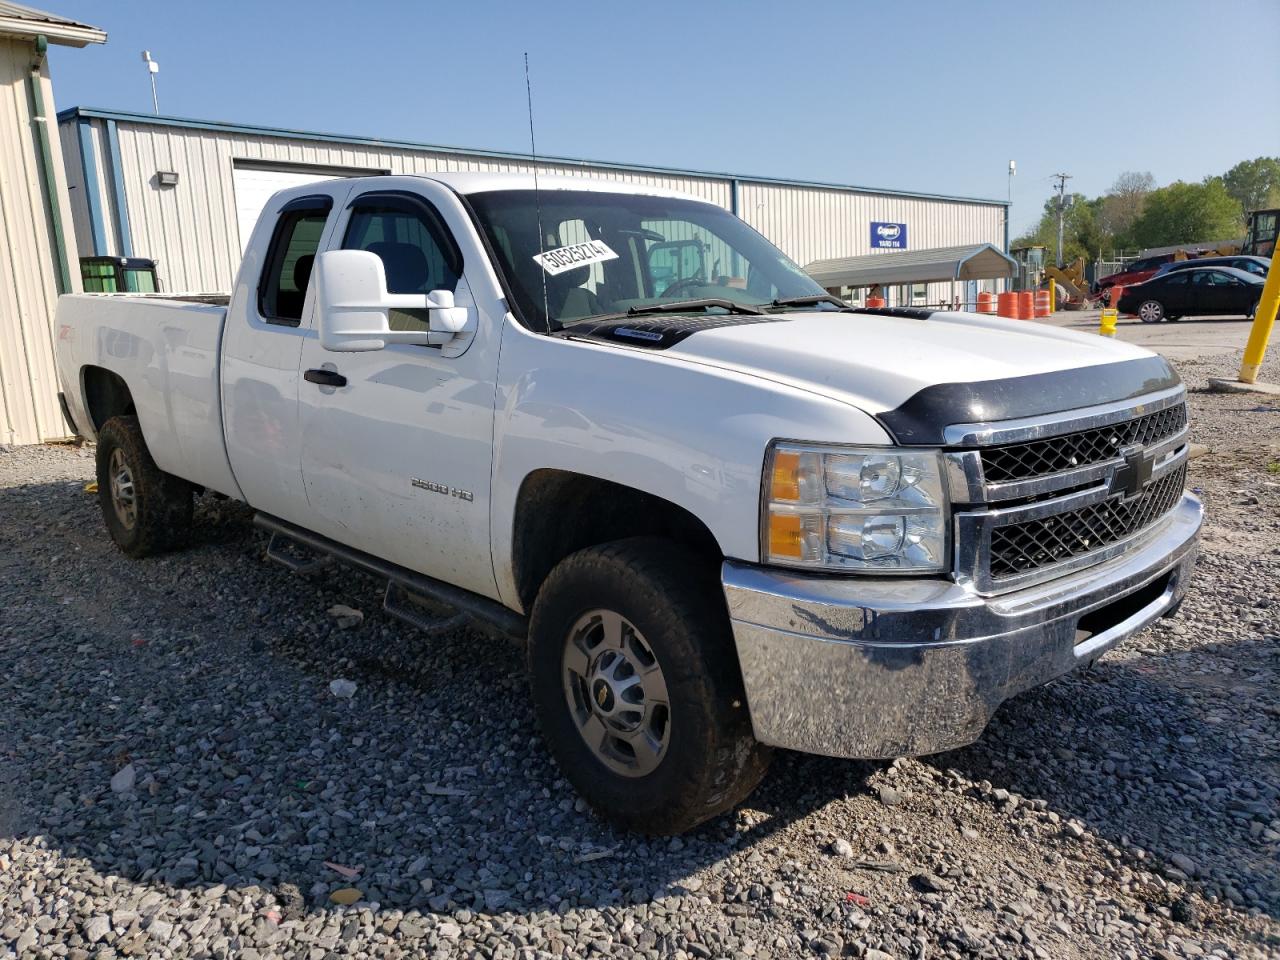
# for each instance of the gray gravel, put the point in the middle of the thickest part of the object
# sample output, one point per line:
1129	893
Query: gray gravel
180	776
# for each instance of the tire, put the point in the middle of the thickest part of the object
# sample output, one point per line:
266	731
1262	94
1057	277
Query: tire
1151	311
651	603
146	510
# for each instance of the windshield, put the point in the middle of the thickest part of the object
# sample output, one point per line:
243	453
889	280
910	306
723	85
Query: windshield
606	253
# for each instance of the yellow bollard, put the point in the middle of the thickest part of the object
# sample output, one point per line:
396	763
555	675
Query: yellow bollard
1108	326
1264	319
1053	296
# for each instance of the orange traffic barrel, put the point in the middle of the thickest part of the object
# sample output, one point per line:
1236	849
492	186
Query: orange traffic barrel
1114	302
1026	304
986	302
875	302
1042	303
1007	305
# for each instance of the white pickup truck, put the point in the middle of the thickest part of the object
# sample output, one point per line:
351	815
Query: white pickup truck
726	511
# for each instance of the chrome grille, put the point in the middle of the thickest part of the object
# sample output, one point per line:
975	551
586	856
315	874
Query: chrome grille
1040	496
1023	461
1019	547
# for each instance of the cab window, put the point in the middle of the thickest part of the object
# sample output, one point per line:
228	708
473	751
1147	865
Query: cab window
282	289
414	245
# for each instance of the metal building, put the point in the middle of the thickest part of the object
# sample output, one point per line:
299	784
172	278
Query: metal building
187	192
38	258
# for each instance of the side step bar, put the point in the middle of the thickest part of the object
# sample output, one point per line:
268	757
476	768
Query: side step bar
402	584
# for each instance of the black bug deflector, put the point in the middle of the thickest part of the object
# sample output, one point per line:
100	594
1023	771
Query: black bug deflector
924	417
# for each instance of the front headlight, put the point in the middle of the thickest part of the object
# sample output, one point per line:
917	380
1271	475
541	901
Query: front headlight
850	508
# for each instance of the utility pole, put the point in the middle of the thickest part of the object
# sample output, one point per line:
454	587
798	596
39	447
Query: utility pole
1062	179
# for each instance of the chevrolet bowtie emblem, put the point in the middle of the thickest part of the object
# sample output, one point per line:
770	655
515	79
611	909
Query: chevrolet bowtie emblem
1132	477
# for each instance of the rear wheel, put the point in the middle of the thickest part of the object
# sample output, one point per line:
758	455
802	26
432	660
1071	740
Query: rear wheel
146	510
1151	311
637	687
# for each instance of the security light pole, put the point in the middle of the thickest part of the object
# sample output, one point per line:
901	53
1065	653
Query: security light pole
152	69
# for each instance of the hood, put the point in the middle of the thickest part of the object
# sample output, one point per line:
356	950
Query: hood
962	367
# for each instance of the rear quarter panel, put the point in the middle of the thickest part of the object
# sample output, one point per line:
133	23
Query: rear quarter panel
167	353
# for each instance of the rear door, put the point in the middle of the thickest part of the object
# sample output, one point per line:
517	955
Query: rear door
396	462
269	318
1216	292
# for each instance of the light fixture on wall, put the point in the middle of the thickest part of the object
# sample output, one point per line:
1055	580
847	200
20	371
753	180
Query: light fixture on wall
167	178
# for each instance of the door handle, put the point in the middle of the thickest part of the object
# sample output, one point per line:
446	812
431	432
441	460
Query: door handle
326	378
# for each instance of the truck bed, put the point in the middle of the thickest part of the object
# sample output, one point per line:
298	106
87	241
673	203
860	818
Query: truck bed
166	349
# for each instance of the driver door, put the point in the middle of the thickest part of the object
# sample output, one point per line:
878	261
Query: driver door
396	443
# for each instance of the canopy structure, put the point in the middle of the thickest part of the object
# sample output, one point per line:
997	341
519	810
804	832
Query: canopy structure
970	262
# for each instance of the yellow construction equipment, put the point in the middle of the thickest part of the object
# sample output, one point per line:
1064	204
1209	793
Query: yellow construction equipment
1071	278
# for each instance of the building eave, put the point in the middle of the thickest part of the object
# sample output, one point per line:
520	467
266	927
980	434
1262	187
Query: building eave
126	116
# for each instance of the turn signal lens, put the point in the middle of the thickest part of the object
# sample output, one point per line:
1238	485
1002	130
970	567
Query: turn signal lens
785	535
786	477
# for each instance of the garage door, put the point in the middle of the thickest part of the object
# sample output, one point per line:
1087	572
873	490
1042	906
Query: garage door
254	187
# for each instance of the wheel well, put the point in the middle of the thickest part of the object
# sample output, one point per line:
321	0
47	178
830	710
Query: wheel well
559	513
106	395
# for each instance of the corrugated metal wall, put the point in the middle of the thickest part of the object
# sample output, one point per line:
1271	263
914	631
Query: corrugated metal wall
191	228
28	282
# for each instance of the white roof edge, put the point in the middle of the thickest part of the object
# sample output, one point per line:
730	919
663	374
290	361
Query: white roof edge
29	23
472	183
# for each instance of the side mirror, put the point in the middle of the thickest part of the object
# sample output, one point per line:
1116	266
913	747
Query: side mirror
354	305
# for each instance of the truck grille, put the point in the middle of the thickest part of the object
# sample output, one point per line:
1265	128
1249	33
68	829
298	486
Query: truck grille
1019	547
1023	461
1036	499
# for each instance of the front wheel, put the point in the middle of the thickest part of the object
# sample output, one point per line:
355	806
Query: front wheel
637	688
1151	311
146	510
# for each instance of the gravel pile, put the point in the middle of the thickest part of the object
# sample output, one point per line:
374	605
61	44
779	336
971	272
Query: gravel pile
199	758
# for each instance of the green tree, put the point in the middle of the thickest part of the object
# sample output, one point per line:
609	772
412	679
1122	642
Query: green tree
1188	213
1081	235
1254	184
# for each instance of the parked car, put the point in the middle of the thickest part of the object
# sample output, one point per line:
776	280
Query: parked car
1254	265
723	510
1135	272
1194	292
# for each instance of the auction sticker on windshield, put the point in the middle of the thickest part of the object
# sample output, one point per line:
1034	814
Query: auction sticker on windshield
575	255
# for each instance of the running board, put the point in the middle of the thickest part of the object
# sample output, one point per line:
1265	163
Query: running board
403	585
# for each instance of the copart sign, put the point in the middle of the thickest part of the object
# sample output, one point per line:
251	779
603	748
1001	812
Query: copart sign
888	236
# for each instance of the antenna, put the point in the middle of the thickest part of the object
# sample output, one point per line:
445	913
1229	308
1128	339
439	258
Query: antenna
537	197
152	68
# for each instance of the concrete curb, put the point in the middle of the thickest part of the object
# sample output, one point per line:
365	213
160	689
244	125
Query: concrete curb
1218	385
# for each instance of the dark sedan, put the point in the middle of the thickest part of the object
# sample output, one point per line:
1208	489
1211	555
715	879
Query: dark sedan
1197	292
1258	265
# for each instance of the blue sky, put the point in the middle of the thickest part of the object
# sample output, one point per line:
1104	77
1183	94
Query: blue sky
931	96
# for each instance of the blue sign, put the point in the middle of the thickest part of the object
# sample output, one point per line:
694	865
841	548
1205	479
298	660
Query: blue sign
888	236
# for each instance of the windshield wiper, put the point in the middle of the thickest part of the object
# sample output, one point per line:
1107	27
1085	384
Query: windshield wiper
703	303
812	301
675	306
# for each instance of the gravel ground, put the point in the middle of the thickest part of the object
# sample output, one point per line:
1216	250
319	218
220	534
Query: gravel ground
178	779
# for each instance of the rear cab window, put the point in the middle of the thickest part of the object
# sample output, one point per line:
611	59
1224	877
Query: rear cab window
286	272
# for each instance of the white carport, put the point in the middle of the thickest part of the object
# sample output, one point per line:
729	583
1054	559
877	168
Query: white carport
980	261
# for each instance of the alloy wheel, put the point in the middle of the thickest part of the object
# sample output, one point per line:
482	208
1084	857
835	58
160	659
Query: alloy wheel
124	498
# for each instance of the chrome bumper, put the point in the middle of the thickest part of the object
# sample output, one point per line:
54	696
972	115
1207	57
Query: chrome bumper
852	667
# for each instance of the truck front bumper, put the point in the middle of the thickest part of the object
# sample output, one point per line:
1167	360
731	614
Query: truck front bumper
859	667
